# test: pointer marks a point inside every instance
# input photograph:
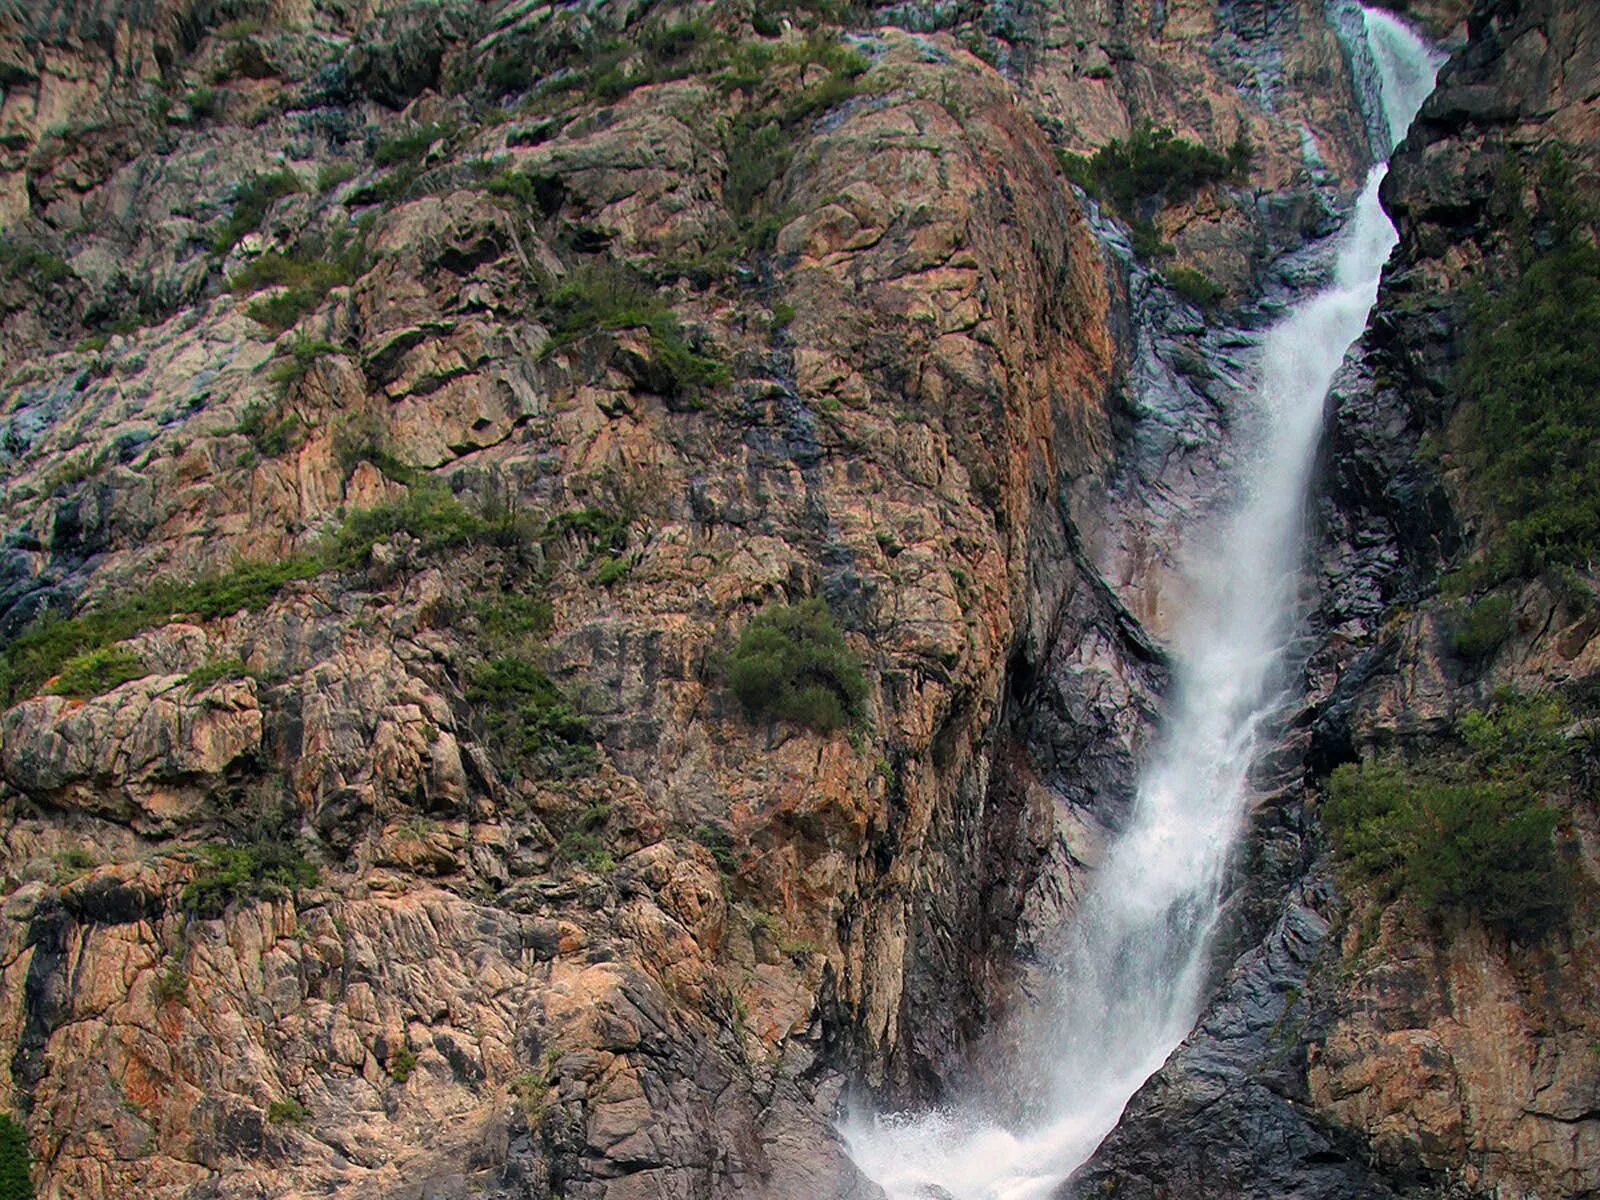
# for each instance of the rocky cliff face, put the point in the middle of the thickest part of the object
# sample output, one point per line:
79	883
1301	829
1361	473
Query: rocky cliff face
490	366
1364	1047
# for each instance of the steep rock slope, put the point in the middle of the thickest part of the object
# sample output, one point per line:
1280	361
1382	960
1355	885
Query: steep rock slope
1382	1042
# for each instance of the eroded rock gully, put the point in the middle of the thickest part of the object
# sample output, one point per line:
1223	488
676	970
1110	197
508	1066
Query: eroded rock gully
950	408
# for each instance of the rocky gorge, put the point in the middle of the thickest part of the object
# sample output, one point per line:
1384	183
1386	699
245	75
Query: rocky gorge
407	411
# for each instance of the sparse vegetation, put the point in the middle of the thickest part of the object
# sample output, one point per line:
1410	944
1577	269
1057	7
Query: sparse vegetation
792	663
288	1112
215	671
1195	286
96	672
1151	169
270	430
264	869
1465	830
172	981
402	1061
296	360
428	513
606	295
528	721
1528	429
1479	627
30	265
306	276
251	200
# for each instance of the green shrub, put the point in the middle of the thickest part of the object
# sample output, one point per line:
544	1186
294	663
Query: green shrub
1195	286
1529	428
202	102
97	671
1477	629
428	513
792	663
720	842
15	1161
1483	848
612	571
30	265
335	174
251	200
215	671
1153	167
307	275
607	295
261	870
512	619
401	1063
172	982
296	360
288	1112
528	720
271	432
410	145
1465	831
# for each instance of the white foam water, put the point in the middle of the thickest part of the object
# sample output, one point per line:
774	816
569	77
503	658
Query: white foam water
1136	953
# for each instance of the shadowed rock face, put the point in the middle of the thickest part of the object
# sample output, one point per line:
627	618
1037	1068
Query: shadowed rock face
952	406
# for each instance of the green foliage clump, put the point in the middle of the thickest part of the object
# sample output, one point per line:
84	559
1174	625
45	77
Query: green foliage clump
215	671
511	619
1151	169
720	842
527	719
428	513
296	360
410	145
15	1161
612	571
306	276
288	1112
401	1063
759	145
792	663
46	647
251	200
1465	833
609	296
96	672
1195	286
30	265
1528	431
1478	628
261	870
271	432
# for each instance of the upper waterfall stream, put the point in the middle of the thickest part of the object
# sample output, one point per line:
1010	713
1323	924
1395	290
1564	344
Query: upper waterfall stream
1136	955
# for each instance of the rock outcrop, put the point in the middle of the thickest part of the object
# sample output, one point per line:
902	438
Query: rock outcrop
413	403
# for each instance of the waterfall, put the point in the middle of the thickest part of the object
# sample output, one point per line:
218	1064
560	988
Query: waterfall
1137	949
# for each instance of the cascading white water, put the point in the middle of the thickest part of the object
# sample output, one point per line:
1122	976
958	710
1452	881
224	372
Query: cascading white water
1136	955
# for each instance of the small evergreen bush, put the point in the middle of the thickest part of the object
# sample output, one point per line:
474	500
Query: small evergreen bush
527	718
1465	832
15	1160
96	672
262	870
792	663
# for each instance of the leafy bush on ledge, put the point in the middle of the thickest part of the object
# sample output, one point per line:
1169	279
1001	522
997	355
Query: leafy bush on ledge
791	663
1465	831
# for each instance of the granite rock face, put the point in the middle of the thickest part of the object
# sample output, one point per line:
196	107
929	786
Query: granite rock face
1361	1048
850	333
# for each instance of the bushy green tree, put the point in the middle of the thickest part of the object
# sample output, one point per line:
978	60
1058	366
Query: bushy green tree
14	1181
792	663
